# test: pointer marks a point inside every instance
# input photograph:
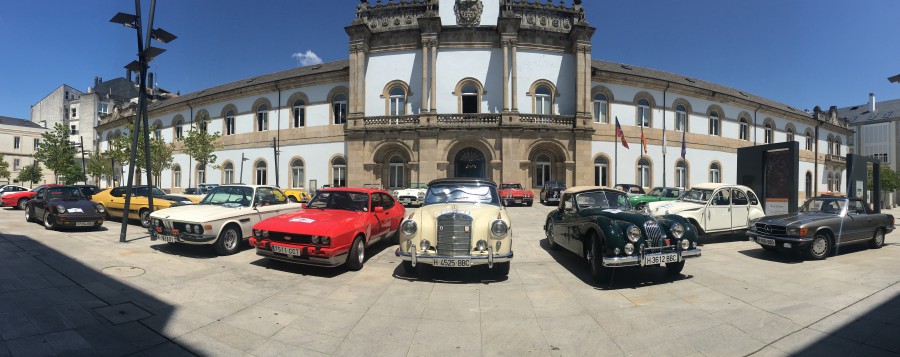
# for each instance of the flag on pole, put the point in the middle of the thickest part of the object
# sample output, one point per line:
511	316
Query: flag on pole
620	134
643	139
683	145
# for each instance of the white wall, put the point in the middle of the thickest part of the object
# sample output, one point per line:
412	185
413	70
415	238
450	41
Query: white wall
558	68
382	69
484	65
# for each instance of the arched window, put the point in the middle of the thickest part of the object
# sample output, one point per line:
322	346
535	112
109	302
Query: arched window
830	182
837	182
228	173
396	172
179	130
744	129
470	98
643	113
297	173
837	146
809	187
262	173
714	123
789	134
338	172
262	117
681	118
809	141
339	105
397	101
229	123
201	174
543	100
715	173
769	133
299	111
542	169
176	176
643	172
601	171
601	108
202	121
681	174
830	147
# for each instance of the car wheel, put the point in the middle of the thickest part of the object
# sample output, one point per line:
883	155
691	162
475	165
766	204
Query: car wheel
529	203
229	241
49	221
357	254
542	200
22	203
549	232
600	273
395	238
819	248
292	199
29	215
696	231
144	217
640	207
674	269
878	239
500	269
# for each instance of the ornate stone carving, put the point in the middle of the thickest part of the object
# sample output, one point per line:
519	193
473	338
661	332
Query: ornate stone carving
468	12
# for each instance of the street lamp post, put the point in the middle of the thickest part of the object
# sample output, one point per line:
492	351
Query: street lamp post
146	53
242	167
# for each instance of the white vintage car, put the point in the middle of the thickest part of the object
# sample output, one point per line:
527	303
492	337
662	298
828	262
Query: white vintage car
413	195
224	218
713	208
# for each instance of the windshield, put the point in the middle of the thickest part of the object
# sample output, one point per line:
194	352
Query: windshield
62	193
418	185
555	184
696	195
142	191
604	200
656	192
461	194
824	205
513	186
343	200
229	196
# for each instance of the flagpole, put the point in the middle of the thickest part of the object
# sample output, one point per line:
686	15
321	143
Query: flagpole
616	159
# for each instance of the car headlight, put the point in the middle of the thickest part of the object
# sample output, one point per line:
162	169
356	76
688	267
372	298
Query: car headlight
409	227
424	245
395	193
629	248
634	233
677	230
798	232
499	228
325	240
198	229
189	228
101	209
481	245
685	244
315	240
60	209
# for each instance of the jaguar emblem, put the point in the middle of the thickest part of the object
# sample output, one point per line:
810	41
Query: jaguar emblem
468	12
287	238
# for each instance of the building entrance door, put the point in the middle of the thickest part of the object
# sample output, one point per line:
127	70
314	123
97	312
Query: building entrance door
469	163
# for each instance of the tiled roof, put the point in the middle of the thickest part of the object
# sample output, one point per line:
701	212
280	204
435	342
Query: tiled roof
859	114
18	122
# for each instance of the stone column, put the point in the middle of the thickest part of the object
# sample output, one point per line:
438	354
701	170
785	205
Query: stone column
354	81
361	80
515	89
424	76
587	81
433	44
505	75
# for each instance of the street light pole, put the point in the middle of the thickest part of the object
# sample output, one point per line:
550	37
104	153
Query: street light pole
81	145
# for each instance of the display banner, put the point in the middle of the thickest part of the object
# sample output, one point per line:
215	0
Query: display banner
778	165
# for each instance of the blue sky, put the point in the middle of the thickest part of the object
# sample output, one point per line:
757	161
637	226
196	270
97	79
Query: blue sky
800	52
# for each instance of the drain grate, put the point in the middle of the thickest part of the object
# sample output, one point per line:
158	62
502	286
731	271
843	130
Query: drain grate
123	271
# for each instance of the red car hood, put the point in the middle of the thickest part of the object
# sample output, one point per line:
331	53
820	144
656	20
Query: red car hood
18	195
514	192
312	222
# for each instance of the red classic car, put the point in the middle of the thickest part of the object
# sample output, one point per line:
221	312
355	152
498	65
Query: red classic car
513	193
19	199
333	229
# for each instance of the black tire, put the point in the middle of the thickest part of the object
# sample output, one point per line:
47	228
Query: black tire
500	269
548	230
357	255
820	247
600	273
877	239
395	238
23	202
292	199
229	241
542	200
674	269
144	217
640	207
29	215
697	231
49	221
529	203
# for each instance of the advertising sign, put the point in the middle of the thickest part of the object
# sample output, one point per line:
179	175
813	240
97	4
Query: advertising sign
778	164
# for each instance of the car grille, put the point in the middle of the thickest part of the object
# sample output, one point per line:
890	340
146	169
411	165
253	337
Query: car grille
294	238
770	229
655	235
454	234
407	197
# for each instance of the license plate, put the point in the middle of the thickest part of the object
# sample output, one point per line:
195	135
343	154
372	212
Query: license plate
660	259
404	201
518	201
453	263
166	238
766	241
84	224
285	250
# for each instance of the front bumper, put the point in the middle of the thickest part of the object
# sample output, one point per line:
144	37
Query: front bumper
780	241
95	221
417	258
182	237
640	259
410	200
518	200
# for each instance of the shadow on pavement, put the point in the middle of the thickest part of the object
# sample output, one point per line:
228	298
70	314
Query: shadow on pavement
786	256
205	251
873	333
324	272
473	275
51	304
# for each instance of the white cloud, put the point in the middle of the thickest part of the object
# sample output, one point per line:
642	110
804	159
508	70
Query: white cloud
307	58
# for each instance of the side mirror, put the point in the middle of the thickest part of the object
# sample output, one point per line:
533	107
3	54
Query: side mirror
379	209
302	205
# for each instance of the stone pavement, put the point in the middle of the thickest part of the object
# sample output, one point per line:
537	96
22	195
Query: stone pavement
83	293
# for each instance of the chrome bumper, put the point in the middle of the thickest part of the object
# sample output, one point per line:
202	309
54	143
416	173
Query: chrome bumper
639	260
488	260
305	259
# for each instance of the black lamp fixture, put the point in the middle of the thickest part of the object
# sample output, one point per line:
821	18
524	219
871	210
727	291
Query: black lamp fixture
894	79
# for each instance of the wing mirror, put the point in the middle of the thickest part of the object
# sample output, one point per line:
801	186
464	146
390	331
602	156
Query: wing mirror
302	205
379	209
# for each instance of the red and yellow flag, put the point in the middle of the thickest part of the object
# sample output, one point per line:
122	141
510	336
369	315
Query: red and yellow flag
643	139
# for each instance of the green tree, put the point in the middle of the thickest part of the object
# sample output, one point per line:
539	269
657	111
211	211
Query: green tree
161	156
57	153
200	144
98	165
31	173
4	168
160	153
73	173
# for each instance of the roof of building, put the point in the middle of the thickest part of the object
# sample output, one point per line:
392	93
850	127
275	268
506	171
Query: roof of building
117	87
860	114
18	122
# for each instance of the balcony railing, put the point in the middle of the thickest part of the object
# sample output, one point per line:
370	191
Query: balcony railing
468	120
557	121
392	120
835	159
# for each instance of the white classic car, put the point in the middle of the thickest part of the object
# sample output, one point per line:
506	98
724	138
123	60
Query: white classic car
224	218
713	208
413	195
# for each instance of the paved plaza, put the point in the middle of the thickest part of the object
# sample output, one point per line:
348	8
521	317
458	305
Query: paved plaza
84	293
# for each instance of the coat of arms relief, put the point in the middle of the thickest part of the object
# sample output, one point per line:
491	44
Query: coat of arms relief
468	12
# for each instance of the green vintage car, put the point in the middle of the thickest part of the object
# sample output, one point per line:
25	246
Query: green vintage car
639	202
599	225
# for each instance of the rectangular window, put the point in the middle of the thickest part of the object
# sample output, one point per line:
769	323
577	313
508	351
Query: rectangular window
297	178
643	116
201	176
16	163
262	121
17	142
339	176
37	143
299	117
600	112
396	175
600	175
680	177
541	173
680	121
74	113
73	129
229	125
644	175
714	176
229	176
103	108
340	112
177	178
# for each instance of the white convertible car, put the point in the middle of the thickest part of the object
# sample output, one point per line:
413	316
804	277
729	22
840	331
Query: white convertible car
713	208
224	218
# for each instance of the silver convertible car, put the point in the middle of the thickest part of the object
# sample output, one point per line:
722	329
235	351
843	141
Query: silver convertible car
822	224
